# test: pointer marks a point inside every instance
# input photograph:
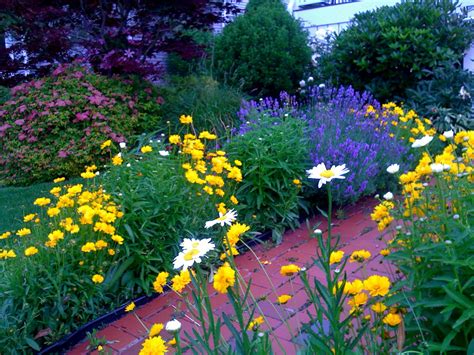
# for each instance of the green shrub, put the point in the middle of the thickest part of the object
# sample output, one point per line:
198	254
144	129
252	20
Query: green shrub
54	126
263	51
445	98
4	94
275	154
386	51
213	106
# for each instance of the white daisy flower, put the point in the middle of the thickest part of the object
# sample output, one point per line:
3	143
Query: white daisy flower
193	251
227	218
164	153
422	142
173	326
123	145
326	175
388	196
204	245
448	134
393	169
437	168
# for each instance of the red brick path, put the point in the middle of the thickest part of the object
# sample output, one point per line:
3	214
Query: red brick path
357	231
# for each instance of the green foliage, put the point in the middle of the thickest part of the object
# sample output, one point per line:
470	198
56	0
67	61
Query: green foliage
213	106
54	126
4	94
386	51
445	98
263	51
274	154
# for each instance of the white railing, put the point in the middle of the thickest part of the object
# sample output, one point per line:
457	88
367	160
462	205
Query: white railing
320	3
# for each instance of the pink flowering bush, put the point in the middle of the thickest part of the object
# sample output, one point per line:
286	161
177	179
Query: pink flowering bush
55	126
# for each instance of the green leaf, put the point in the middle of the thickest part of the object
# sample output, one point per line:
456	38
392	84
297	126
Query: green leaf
33	344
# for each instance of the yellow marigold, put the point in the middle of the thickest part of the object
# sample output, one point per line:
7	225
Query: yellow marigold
235	231
235	173
392	319
214	180
117	160
220	192
111	252
358	299
237	162
88	175
160	281
179	282
97	279
7	254
378	307
5	235
354	287
336	257
224	278
74	190
53	211
297	182
255	323
88	247
31	251
360	256
385	252
207	135
59	179
232	251
172	342
185	119
289	270
284	299
234	200
130	307
221	208
55	191
155	329
101	244
23	231
117	238
29	217
175	139
209	190
146	149
104	227
106	144
42	201
192	176
153	346
377	285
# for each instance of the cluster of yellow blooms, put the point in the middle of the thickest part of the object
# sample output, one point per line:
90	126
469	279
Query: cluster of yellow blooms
73	215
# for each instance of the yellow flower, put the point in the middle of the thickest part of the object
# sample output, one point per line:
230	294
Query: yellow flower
378	307
185	119
392	319
155	329
224	278
385	252
221	208
253	325
88	247
117	160
297	182
289	270
234	200
130	307
59	179
88	175
7	254
5	235
174	139
172	342
377	285
31	251
358	300
111	252
100	244
55	191
29	217
336	257
235	232
98	279
22	232
179	282
42	201
53	211
160	281
284	299
220	192
153	346
235	173
208	190
106	144
232	251
118	239
353	287
146	149
360	256
238	162
207	135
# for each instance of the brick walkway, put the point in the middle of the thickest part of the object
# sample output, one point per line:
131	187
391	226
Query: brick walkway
357	231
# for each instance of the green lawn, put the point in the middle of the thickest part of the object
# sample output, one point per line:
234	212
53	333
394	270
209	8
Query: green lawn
15	202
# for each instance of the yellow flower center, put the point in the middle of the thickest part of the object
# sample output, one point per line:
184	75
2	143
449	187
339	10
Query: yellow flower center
327	173
190	254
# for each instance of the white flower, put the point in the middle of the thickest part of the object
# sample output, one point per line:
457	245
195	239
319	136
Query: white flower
302	83
223	219
173	326
437	168
393	169
422	142
318	231
464	94
97	173
446	167
388	196
123	145
456	216
377	196
322	86
448	134
128	165
164	153
326	175
192	253
448	242
310	79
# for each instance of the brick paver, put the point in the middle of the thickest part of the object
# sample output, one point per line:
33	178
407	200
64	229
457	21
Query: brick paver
357	231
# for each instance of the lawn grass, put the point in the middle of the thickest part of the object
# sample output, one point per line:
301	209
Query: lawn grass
15	202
